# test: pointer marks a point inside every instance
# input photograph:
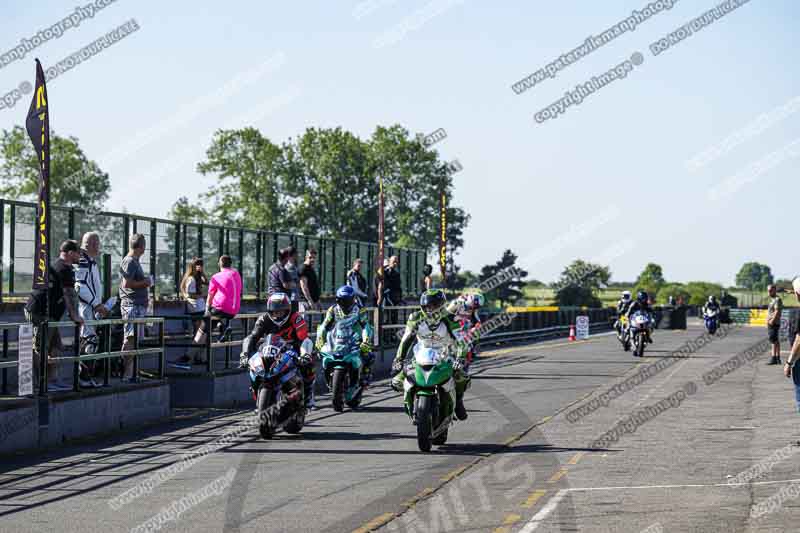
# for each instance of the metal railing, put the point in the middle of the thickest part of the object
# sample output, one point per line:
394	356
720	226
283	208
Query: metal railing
157	348
525	326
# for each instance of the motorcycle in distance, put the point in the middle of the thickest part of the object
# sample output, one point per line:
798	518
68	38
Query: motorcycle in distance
638	329
711	319
277	387
429	394
623	333
342	364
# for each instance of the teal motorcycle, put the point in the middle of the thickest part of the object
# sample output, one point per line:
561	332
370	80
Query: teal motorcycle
430	394
342	363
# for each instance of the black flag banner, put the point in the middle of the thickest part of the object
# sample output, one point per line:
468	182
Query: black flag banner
38	126
381	234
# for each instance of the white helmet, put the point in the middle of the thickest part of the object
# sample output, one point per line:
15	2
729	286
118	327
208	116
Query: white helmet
626	295
796	285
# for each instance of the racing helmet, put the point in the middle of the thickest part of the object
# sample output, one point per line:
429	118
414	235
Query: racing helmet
431	301
712	299
279	308
476	300
626	295
346	298
641	297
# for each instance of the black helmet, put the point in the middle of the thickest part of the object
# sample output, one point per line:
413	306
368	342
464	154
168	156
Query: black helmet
431	301
278	308
427	270
641	297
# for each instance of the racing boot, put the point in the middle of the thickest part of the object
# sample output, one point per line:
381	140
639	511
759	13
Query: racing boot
308	395
397	381
461	411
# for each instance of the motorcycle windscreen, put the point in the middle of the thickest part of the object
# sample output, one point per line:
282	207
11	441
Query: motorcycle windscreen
426	356
344	335
256	364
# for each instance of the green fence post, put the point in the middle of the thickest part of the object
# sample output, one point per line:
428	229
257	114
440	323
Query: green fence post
12	237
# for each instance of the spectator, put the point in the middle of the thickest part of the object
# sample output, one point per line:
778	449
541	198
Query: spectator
378	282
133	299
774	323
309	284
224	296
57	298
427	281
194	289
794	355
393	287
355	279
90	304
278	279
294	276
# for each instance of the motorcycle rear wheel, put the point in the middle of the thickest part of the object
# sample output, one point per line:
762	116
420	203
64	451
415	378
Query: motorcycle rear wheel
441	438
296	422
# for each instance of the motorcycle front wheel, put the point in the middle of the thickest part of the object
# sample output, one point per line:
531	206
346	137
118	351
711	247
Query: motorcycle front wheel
337	386
424	416
639	350
264	426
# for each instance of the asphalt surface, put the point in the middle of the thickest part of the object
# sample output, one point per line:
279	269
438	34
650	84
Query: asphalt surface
517	464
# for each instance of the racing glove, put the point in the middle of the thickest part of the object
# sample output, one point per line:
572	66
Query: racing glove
243	359
397	365
365	347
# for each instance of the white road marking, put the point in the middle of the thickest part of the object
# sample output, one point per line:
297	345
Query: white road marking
544	512
551	505
686	486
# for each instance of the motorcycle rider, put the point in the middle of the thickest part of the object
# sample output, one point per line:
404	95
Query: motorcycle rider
346	305
465	312
437	324
711	306
622	308
642	303
279	320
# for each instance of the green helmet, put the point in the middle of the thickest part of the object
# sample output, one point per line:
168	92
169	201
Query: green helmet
431	301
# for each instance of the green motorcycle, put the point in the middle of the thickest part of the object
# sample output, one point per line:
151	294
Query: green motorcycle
430	394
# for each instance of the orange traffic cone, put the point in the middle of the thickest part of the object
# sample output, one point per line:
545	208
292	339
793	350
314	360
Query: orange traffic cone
572	332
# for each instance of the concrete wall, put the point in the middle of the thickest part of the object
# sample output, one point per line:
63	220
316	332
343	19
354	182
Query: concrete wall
53	421
19	425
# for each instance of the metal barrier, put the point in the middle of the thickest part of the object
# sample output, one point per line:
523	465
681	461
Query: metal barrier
77	358
231	338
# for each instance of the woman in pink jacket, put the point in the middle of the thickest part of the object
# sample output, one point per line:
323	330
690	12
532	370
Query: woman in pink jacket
224	296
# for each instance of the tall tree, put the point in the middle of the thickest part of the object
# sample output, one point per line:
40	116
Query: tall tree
651	279
579	283
331	185
511	290
251	171
185	211
75	181
326	183
754	276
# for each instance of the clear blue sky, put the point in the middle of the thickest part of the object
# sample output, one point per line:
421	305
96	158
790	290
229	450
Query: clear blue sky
528	186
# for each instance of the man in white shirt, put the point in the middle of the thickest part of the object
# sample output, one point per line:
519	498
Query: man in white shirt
90	299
